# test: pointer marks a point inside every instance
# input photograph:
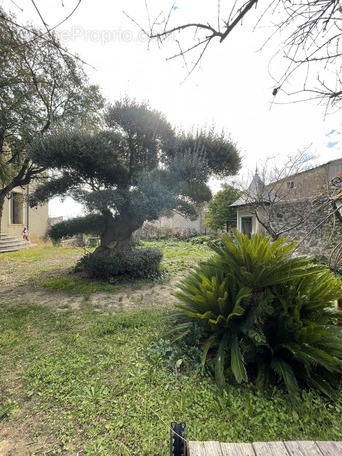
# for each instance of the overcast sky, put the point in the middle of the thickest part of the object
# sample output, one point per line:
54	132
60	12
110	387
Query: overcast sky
231	89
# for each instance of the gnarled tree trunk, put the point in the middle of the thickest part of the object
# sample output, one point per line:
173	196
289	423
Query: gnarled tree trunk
117	235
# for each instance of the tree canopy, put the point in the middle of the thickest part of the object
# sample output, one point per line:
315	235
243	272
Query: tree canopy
137	168
308	61
220	215
41	85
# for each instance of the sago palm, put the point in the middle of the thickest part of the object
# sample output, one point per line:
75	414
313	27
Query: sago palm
260	262
304	334
215	303
266	315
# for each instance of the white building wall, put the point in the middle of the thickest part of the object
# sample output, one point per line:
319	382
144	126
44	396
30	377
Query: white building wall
36	220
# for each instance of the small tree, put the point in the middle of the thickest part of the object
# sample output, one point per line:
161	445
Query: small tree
220	215
137	169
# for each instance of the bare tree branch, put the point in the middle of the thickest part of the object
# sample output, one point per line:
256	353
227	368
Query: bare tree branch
313	40
49	30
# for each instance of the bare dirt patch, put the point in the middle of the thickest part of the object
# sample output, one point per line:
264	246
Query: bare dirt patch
21	282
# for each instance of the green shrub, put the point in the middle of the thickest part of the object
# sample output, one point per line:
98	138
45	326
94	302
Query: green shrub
266	315
135	264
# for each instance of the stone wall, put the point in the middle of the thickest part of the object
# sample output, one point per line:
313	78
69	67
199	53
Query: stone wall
320	230
182	225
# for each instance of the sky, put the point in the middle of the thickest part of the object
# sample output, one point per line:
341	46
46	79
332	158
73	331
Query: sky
231	89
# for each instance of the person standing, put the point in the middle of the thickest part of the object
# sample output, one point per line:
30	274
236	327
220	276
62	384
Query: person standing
25	234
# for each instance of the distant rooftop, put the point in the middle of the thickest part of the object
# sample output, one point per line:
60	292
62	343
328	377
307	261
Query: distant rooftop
256	191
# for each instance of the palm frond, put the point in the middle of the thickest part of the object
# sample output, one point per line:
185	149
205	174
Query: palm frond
207	346
264	376
315	355
287	376
220	361
237	361
319	383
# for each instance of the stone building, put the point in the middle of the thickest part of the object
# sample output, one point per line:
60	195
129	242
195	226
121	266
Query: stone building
305	207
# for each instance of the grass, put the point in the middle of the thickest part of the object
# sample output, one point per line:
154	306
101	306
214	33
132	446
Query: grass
78	285
78	380
33	254
180	256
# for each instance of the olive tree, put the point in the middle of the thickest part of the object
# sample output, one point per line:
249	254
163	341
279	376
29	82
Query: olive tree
137	168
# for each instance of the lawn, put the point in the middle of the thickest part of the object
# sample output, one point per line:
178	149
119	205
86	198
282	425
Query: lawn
87	368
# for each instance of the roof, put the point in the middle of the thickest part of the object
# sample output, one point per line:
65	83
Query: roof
256	191
259	192
331	165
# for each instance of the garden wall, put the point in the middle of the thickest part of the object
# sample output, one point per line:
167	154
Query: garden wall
321	230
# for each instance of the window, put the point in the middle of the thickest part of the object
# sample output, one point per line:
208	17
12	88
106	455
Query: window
290	185
17	208
246	226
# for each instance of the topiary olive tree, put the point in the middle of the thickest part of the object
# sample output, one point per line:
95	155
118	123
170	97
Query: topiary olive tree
136	168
